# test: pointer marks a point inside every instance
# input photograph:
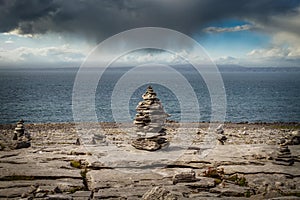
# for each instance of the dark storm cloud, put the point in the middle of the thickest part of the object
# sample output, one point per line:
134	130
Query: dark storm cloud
22	14
100	19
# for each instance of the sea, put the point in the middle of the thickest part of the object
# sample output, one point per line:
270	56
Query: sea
44	95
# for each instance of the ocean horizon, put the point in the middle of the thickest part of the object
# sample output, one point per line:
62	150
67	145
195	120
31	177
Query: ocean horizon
44	95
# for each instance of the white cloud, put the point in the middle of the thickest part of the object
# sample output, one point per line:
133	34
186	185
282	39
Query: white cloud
213	29
8	42
62	53
17	32
164	57
227	60
274	56
146	57
284	50
274	52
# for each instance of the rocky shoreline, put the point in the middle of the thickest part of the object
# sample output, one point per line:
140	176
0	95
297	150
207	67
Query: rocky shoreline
61	164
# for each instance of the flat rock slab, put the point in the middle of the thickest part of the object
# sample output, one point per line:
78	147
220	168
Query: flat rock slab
13	192
82	195
238	153
204	182
59	197
64	185
269	168
230	190
125	192
285	198
110	178
36	171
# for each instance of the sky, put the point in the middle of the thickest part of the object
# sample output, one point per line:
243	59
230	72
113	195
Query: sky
58	33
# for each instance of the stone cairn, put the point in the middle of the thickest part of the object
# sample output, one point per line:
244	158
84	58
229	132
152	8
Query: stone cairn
295	138
149	122
284	156
20	138
220	134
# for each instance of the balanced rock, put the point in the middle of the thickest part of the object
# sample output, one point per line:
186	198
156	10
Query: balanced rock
149	121
220	134
150	144
295	138
19	130
77	141
220	129
20	138
284	156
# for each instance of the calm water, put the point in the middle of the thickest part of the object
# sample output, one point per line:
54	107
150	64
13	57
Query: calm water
45	95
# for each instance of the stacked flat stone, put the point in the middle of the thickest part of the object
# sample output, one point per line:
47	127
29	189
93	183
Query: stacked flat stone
20	138
295	138
19	130
284	156
150	117
220	134
150	120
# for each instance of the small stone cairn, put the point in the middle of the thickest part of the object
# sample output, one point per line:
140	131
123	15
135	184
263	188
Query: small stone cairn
295	138
284	156
20	138
220	134
149	122
19	130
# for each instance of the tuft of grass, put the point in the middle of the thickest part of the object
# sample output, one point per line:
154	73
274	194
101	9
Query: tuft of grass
74	189
242	182
2	146
83	175
233	178
218	181
75	163
247	193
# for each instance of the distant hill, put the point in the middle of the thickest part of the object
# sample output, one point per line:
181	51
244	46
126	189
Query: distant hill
238	68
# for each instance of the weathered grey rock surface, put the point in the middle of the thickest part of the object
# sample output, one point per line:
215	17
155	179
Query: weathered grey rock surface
55	167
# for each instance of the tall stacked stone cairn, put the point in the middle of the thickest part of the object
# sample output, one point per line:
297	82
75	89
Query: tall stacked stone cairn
21	139
284	156
149	121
